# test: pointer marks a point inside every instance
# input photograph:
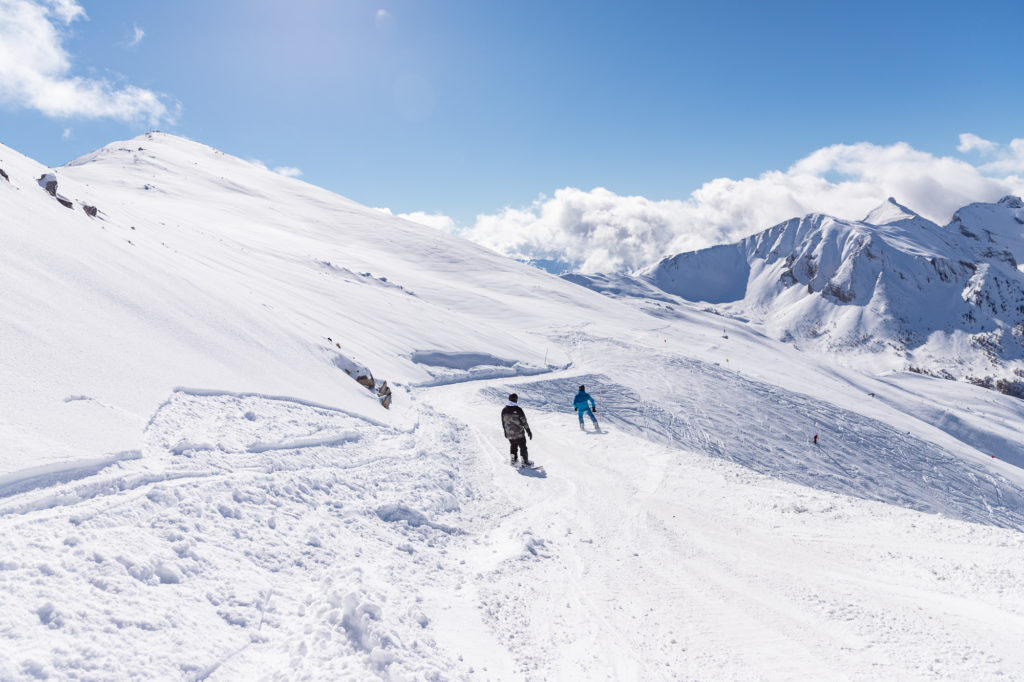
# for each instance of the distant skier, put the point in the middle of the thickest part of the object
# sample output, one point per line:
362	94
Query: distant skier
584	404
517	429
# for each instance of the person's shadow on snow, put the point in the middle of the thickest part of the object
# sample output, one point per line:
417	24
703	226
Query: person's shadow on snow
532	473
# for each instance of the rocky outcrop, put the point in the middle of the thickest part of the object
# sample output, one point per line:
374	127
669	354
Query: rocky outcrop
384	395
48	181
362	375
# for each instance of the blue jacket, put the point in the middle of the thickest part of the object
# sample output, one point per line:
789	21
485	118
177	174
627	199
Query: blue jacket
581	400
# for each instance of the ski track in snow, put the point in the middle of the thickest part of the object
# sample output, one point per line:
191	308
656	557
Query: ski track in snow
770	430
308	558
264	538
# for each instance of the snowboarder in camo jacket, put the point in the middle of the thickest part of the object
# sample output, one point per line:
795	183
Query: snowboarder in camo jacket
584	404
517	429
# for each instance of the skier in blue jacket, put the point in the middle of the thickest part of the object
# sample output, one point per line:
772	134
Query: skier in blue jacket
584	404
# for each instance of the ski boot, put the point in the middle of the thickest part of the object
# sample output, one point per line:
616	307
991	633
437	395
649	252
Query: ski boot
582	428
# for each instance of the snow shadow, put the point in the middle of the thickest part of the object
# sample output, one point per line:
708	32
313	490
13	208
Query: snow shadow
451	367
56	473
537	472
705	408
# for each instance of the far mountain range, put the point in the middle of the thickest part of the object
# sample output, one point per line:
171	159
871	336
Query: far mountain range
893	291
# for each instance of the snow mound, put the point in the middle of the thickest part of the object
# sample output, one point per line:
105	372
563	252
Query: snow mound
449	367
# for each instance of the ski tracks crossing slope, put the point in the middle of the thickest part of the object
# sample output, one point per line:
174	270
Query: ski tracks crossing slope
651	558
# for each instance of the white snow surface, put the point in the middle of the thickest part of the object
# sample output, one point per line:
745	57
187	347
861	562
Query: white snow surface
194	486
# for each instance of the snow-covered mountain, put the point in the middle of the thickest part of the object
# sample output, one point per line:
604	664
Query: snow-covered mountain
893	290
200	479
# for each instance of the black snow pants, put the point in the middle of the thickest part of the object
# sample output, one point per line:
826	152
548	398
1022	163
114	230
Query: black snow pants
518	444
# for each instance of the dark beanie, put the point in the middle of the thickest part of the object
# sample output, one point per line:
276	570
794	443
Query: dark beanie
582	387
513	398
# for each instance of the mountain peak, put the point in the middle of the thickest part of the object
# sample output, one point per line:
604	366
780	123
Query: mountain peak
888	212
1011	201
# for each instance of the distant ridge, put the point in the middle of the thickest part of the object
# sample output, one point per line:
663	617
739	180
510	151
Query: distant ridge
891	291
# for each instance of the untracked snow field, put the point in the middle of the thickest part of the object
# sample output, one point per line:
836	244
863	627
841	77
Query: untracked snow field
265	538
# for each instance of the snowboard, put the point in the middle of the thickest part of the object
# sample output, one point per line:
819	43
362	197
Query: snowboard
531	465
532	471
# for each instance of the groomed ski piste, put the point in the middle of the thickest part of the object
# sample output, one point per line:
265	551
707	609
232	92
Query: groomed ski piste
279	524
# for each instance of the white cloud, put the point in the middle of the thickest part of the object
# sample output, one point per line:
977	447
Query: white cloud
1006	160
435	220
35	70
599	230
66	10
137	35
66	134
970	142
438	221
287	171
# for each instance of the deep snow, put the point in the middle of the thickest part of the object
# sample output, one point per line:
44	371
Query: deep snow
194	488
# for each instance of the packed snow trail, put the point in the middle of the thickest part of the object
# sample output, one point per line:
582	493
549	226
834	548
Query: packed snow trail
708	409
648	562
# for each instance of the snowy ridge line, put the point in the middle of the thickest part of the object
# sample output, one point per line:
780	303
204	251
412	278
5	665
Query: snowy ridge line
308	442
212	392
768	429
60	472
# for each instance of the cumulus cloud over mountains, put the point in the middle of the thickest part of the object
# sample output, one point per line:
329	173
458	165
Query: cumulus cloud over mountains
600	231
35	69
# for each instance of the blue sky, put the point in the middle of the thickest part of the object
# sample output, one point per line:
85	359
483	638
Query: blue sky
465	108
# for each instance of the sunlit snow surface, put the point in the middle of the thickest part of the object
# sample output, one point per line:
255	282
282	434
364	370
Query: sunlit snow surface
192	487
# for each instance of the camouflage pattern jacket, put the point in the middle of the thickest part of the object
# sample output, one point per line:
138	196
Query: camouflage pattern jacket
513	420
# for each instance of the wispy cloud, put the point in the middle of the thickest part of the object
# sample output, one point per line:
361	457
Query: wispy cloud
385	22
599	230
1000	159
66	135
287	171
137	35
35	69
969	142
